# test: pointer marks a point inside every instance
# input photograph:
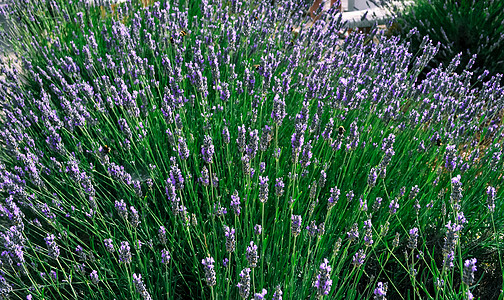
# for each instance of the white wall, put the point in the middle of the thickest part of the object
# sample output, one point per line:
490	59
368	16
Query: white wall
358	4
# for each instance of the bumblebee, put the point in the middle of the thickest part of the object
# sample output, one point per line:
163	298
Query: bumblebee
182	33
257	67
341	130
106	149
439	142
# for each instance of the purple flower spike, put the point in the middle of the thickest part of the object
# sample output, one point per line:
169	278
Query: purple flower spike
263	189
140	287
296	225
261	295
210	275
124	253
491	192
207	150
381	291
252	256
165	256
54	250
235	203
359	258
109	245
244	284
469	269
323	283
94	277
230	239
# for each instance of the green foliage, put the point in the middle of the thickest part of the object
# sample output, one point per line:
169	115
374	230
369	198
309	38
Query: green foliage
365	90
470	27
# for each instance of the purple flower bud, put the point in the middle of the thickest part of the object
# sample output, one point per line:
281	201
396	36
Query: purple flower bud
381	291
165	256
359	258
241	140
413	236
469	269
335	193
323	283
54	250
279	187
5	287
262	167
322	179
244	284
350	195
225	135
183	151
94	277
394	206
134	217
162	235
263	189
207	150
373	175
277	295
140	287
235	203
414	192
109	246
491	192
353	234
312	229
278	113
210	275
265	138
451	239
456	194
261	295
121	209
368	237
124	253
296	225
451	158
230	239
257	229
205	176
252	256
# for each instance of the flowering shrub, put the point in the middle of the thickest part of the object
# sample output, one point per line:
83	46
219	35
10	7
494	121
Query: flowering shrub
466	27
151	154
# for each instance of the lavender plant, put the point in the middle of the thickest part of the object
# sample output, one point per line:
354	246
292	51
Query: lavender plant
140	148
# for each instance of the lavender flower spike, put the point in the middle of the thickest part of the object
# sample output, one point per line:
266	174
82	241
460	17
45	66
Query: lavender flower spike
296	225
323	283
252	256
210	275
278	113
124	253
207	150
244	284
94	277
54	250
491	192
381	291
230	239
263	189
140	287
261	295
469	269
